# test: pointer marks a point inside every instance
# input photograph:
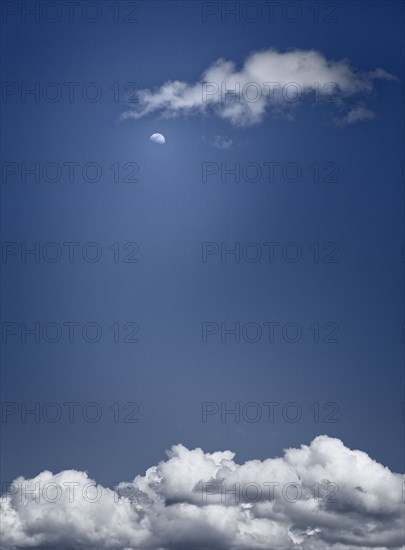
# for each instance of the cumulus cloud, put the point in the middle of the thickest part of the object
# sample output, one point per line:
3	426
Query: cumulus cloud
323	496
268	80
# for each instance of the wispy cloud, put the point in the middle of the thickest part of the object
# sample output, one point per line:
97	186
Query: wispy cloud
355	114
317	497
221	142
268	81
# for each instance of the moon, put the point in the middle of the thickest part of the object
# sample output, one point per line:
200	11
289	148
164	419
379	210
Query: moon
157	138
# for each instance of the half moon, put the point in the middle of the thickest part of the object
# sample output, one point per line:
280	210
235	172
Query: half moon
158	138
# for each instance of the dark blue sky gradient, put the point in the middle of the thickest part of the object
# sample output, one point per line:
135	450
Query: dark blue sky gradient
169	212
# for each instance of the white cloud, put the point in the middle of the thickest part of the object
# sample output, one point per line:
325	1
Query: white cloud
355	114
221	142
268	80
206	500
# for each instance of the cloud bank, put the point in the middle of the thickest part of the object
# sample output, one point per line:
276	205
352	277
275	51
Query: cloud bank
268	81
319	497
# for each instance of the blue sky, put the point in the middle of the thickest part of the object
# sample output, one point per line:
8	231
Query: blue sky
169	212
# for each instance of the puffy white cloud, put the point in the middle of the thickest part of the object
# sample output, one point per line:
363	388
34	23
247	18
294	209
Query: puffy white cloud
268	80
319	497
